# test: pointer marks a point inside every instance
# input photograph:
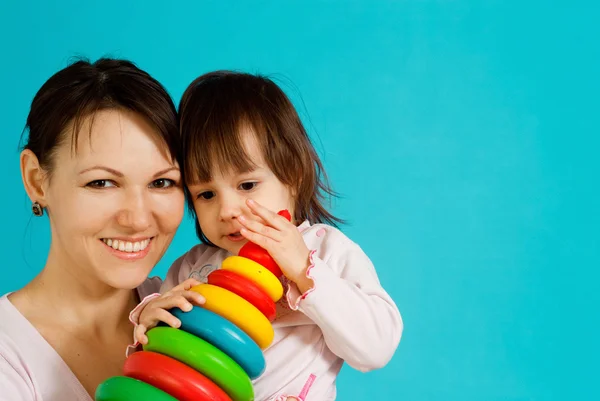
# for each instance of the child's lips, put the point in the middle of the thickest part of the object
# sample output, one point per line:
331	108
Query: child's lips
235	237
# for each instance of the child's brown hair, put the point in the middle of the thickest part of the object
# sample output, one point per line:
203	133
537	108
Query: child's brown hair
213	111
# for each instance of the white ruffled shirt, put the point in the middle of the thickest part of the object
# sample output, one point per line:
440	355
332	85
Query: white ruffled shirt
346	317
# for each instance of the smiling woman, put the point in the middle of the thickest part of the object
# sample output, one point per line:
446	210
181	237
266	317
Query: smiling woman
122	173
101	160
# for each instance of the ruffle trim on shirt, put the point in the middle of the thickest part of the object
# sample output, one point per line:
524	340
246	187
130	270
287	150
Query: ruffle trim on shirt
134	317
295	304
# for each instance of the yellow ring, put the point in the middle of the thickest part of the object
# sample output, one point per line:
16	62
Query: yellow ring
259	274
238	311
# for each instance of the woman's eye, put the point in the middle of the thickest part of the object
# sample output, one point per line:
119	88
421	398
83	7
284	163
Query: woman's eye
206	195
248	186
162	183
100	184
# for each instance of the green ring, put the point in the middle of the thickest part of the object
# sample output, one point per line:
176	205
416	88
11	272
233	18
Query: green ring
204	357
121	388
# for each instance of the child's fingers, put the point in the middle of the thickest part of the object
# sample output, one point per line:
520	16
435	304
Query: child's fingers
174	301
260	228
186	285
184	300
151	316
258	239
194	297
272	219
166	317
140	334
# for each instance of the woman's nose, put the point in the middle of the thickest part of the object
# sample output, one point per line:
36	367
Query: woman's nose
136	213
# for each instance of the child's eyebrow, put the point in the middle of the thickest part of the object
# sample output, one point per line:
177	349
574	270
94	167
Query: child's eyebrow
250	171
198	183
251	167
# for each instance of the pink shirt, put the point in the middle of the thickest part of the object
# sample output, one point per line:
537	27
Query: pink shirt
346	317
30	369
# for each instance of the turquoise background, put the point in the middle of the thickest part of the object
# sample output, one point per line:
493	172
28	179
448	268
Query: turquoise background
462	135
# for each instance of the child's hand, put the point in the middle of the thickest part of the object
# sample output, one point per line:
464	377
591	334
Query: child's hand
157	309
280	238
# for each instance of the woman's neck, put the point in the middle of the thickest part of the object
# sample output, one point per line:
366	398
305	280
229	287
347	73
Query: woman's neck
74	300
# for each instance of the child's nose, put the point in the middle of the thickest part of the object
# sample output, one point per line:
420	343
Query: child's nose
231	207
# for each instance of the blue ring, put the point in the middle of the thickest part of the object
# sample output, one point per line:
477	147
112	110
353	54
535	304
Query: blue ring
224	335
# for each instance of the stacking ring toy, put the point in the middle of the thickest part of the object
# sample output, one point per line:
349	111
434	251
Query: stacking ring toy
256	253
218	349
238	311
173	377
204	357
225	336
256	273
121	388
246	289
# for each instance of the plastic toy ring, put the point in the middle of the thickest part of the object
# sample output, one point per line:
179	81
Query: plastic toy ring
225	336
203	357
246	289
256	273
173	377
238	311
121	388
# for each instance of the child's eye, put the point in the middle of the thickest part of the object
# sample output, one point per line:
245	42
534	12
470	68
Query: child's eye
248	186
206	195
162	183
100	184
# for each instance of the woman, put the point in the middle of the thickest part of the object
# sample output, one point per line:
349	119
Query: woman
101	161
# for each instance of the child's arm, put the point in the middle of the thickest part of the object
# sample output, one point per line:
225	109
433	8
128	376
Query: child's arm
174	292
341	290
359	320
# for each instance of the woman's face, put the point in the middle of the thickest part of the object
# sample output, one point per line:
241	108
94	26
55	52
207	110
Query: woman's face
115	203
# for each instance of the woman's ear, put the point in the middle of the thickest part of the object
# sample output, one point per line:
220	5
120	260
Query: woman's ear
33	177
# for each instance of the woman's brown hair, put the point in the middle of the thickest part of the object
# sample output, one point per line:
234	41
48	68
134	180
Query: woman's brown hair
83	88
213	111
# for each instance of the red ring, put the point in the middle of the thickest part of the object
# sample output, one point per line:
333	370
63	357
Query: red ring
260	256
172	377
246	289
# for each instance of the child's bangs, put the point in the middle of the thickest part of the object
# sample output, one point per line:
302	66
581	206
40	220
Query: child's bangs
220	143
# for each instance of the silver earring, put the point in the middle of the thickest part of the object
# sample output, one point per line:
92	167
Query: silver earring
37	209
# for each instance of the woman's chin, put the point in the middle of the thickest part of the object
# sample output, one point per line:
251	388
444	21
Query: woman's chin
127	280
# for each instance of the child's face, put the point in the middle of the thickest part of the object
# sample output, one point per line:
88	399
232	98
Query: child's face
220	202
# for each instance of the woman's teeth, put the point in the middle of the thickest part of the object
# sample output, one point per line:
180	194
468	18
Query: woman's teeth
127	246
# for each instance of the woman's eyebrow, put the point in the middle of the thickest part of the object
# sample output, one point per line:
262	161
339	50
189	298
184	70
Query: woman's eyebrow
165	171
108	169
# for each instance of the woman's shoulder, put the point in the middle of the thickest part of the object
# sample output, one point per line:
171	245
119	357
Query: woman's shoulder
17	334
12	322
30	369
22	350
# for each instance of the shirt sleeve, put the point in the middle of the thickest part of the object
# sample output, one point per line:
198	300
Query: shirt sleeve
359	320
13	385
